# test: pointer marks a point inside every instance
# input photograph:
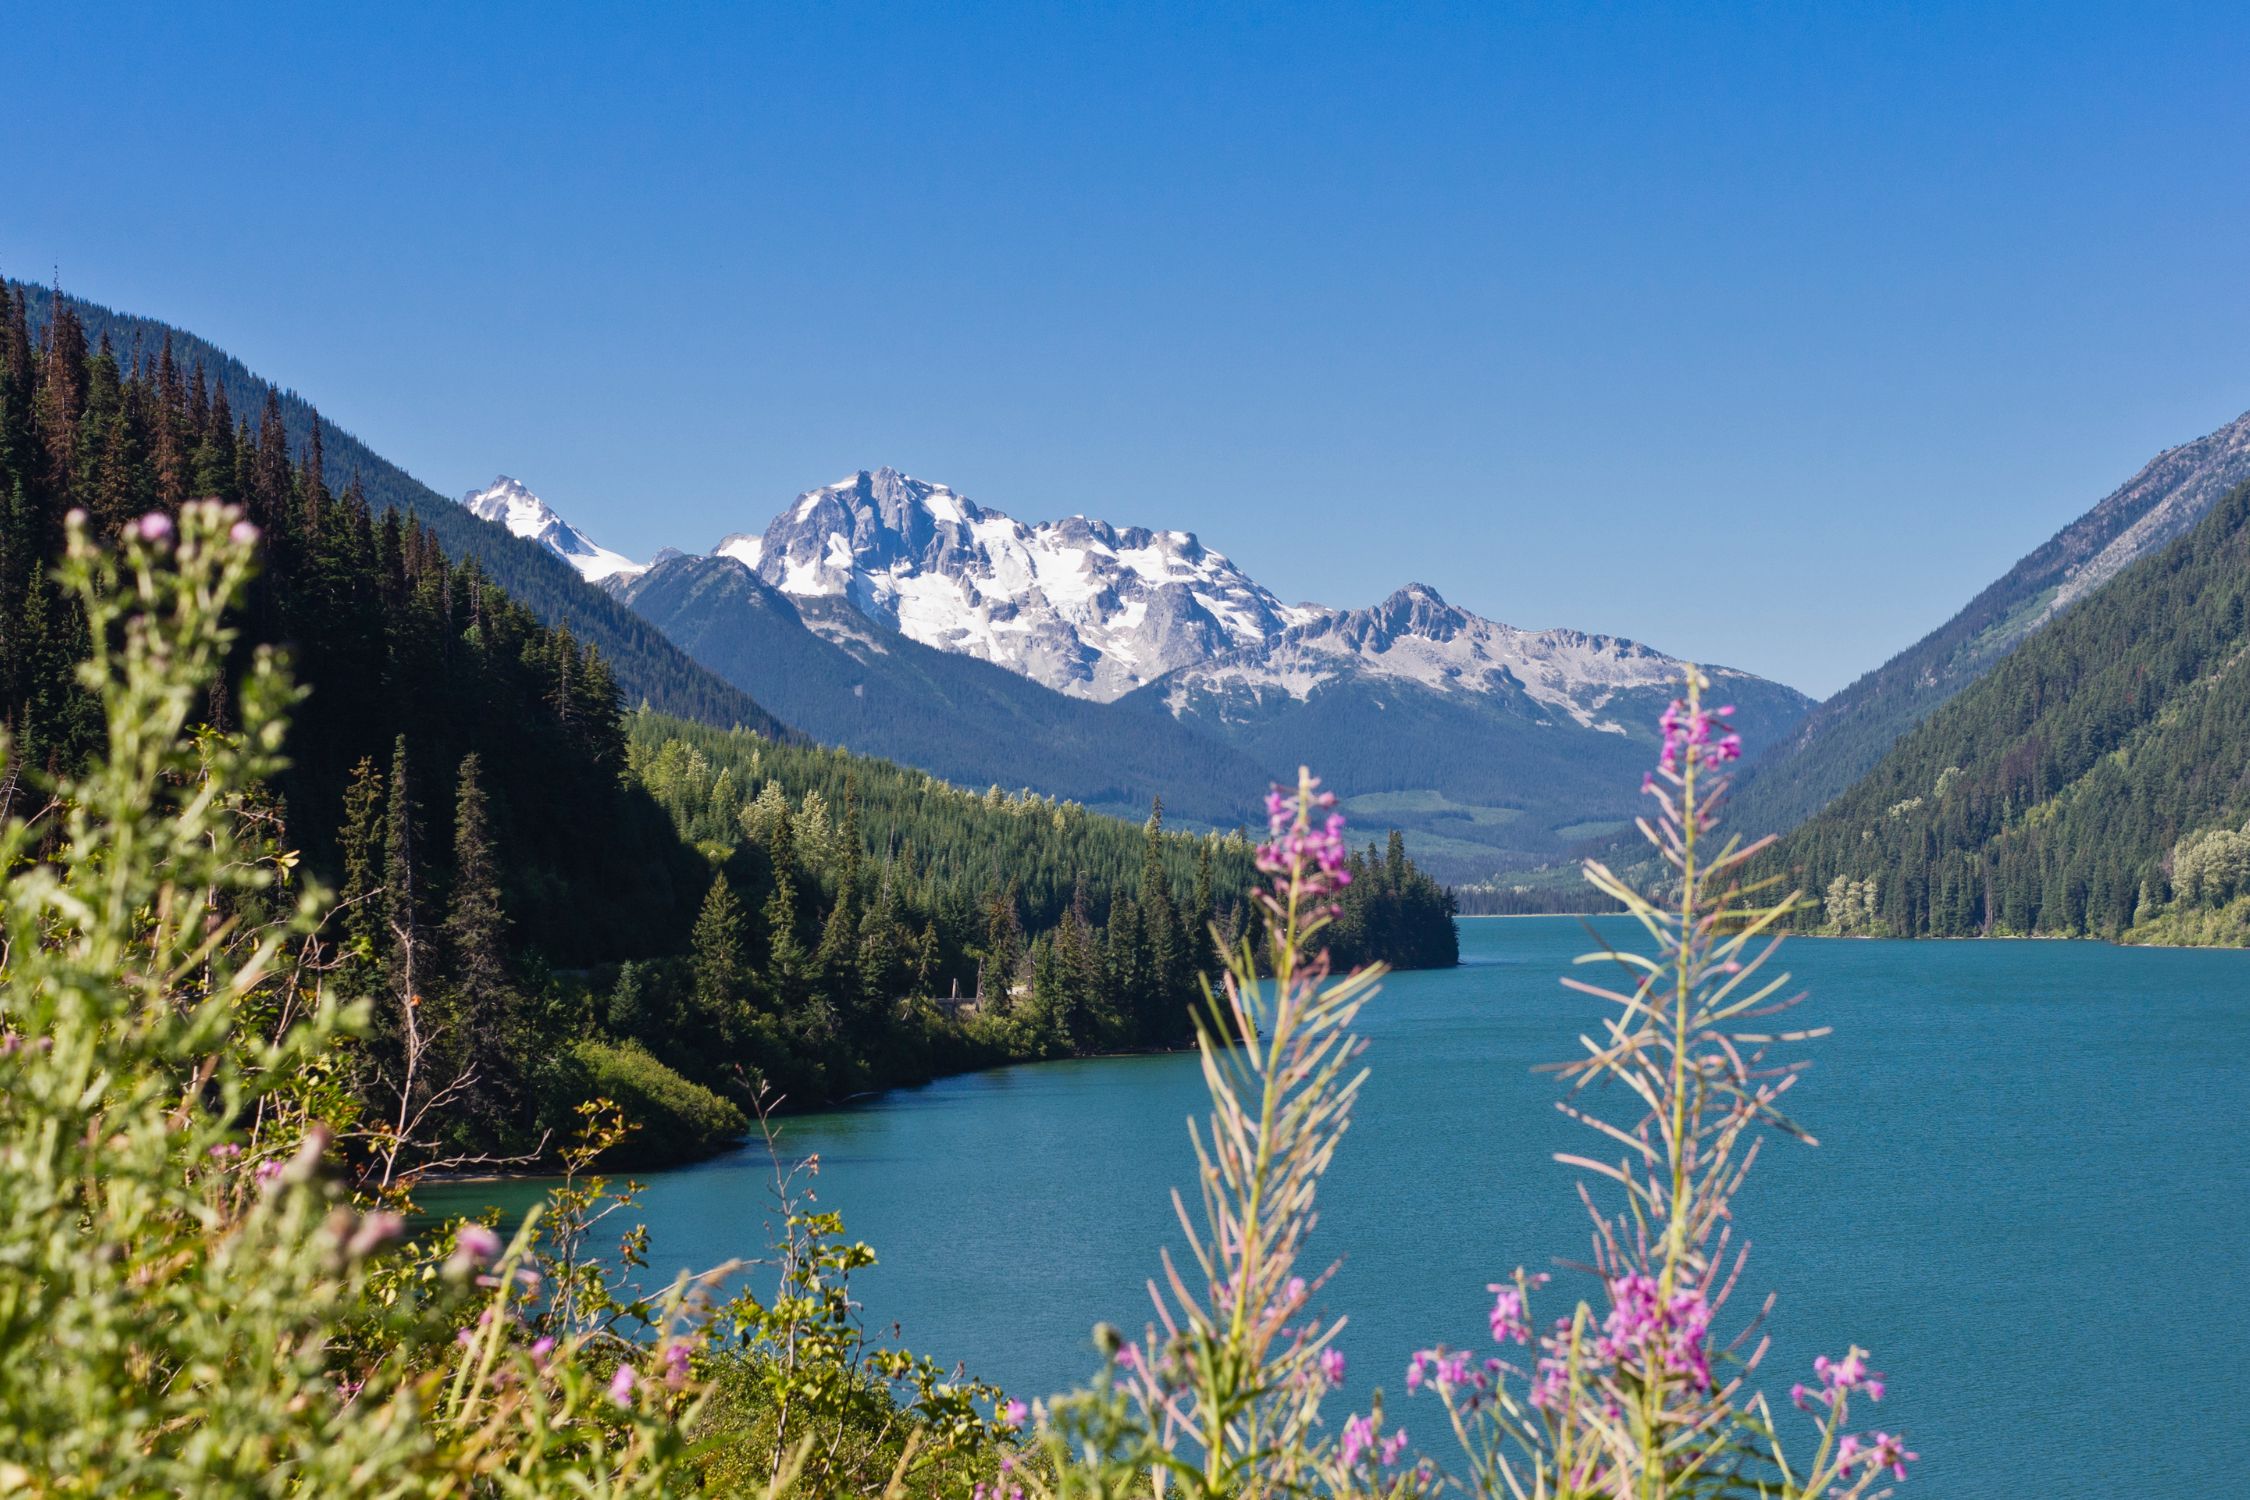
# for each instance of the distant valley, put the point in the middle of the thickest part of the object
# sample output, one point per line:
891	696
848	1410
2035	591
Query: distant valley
1093	660
1112	665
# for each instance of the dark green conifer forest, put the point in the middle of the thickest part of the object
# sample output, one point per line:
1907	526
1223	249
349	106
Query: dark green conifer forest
546	899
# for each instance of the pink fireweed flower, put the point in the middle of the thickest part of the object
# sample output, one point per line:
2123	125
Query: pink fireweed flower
1128	1357
1689	734
1887	1450
1013	1414
1359	1436
675	1361
1673	1332
1332	1366
1296	851
621	1385
1510	1321
1393	1446
373	1232
1445	1368
477	1242
1838	1376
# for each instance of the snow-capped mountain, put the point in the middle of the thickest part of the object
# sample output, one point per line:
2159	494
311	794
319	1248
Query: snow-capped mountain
517	508
1415	636
1103	661
1079	605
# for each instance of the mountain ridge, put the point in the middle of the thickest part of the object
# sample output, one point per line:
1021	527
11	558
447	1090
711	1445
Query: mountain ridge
2064	792
648	667
1492	745
1848	734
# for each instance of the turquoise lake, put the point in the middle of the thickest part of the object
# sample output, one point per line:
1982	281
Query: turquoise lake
2031	1199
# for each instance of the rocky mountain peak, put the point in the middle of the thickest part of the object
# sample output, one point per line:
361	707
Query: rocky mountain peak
511	503
1078	604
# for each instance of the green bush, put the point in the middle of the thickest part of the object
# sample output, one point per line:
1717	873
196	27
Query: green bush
678	1119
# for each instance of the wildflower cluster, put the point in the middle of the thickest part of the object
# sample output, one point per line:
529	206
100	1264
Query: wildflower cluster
1304	849
1222	1394
1643	1398
1656	1336
1692	733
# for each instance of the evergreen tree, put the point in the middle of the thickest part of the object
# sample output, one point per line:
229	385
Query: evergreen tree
484	1004
716	949
402	887
361	894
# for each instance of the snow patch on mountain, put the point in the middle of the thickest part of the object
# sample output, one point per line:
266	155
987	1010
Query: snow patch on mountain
1078	605
514	506
1416	636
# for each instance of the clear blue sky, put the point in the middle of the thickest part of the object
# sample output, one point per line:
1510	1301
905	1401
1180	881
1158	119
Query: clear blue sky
1762	334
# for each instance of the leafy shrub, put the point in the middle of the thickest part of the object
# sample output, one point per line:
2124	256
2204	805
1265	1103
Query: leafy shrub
675	1119
188	1302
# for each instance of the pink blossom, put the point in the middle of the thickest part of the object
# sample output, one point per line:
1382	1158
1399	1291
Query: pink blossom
153	527
1128	1357
1888	1451
675	1360
1013	1414
1332	1366
1839	1376
243	533
1314	858
621	1385
477	1242
1510	1320
1393	1446
1447	1369
1359	1436
1674	1331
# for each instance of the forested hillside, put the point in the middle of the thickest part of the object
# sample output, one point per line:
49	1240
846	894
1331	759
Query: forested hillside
2095	782
1844	737
648	668
846	881
749	910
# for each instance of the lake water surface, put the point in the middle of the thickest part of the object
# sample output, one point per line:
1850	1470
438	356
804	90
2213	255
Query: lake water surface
2031	1199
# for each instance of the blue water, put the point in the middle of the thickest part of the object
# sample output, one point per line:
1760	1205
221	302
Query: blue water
2031	1199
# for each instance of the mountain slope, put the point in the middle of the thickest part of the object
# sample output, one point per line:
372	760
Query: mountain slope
846	680
1494	747
1078	605
2049	797
648	668
1844	737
